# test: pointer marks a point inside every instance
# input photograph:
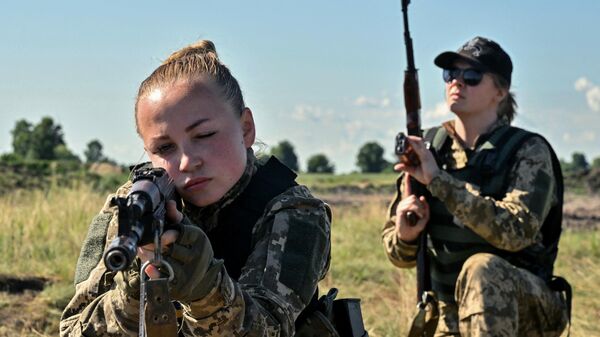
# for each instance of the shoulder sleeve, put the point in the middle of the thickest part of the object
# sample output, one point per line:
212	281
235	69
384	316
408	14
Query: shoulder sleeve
96	308
279	278
513	222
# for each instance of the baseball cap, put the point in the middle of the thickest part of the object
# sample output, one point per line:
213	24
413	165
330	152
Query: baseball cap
482	53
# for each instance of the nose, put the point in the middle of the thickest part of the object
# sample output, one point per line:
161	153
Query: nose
189	162
457	82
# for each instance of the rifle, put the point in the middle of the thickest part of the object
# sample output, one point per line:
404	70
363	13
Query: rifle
412	104
141	216
141	221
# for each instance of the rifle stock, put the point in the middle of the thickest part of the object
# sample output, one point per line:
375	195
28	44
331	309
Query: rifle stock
412	103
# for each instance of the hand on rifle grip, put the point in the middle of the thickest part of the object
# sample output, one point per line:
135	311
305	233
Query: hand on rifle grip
411	217
405	152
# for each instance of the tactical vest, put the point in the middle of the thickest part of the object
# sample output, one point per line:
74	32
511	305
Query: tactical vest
489	166
232	238
237	220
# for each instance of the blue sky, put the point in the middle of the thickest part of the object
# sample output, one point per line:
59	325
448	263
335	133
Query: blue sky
325	75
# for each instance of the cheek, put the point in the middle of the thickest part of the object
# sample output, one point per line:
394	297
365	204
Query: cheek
170	164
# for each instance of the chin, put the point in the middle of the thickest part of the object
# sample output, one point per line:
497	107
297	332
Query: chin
200	200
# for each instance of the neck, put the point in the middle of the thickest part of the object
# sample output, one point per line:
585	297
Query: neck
469	128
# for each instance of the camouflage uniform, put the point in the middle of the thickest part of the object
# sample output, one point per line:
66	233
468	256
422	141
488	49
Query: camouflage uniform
275	285
491	296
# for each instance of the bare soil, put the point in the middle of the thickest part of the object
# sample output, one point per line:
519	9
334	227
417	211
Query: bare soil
580	212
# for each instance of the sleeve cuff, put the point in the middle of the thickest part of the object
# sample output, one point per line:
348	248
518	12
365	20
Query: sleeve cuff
219	297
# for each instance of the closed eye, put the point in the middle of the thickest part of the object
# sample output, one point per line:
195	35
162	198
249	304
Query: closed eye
163	149
205	135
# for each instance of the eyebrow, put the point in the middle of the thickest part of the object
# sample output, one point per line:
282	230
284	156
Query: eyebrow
195	124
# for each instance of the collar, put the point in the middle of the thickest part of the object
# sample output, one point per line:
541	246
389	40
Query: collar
207	216
451	130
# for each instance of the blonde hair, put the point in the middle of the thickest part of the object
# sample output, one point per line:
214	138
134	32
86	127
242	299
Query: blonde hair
194	62
508	106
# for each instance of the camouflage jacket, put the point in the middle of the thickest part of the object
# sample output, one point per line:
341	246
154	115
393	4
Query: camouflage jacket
276	284
511	223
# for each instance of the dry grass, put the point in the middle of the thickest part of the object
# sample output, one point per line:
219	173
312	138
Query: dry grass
361	269
41	233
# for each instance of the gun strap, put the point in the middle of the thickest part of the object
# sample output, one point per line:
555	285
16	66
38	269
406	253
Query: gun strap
159	314
426	319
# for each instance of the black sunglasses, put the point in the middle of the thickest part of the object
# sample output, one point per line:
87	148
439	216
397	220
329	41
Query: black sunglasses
470	76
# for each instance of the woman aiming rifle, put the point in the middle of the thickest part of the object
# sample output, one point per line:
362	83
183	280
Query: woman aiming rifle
249	244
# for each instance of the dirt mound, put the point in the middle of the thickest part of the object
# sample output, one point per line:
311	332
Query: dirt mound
14	285
581	212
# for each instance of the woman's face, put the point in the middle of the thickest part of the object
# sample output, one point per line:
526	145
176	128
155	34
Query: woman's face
472	100
190	131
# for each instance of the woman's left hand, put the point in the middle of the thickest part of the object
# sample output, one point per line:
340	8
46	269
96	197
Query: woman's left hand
146	252
427	168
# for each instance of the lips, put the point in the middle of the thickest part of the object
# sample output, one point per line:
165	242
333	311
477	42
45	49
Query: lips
456	95
196	183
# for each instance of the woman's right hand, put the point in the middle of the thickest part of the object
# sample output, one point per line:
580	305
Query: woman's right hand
420	207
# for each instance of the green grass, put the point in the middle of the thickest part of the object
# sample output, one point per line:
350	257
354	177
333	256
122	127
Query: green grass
41	233
351	181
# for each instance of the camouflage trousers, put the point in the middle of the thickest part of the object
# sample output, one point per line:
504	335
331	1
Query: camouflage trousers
495	298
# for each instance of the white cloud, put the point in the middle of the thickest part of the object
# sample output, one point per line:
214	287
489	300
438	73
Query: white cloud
582	84
372	102
441	110
314	113
589	136
592	92
583	137
593	98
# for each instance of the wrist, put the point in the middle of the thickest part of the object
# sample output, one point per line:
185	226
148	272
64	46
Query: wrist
221	295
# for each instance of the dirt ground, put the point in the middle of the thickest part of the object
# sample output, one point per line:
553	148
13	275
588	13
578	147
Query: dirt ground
579	212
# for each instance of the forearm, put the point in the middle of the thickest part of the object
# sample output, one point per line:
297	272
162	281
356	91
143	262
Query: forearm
400	253
109	314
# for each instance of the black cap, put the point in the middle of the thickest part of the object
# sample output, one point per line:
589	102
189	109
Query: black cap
482	53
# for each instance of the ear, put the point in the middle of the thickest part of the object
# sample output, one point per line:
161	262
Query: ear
248	128
501	94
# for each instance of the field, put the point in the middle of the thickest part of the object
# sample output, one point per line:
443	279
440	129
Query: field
41	233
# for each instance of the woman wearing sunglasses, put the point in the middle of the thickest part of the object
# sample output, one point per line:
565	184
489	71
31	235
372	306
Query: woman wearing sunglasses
491	207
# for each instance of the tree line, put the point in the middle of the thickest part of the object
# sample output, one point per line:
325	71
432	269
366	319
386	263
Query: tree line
44	141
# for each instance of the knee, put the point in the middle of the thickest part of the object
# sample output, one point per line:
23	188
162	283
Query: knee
481	265
480	272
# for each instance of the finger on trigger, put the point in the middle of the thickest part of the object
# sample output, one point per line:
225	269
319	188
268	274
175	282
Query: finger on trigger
169	237
173	213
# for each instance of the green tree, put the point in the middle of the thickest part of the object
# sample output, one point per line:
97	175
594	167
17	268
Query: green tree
284	151
21	138
319	163
45	137
579	163
93	153
61	152
370	158
596	163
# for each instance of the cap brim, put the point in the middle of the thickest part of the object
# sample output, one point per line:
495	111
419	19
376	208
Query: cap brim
447	60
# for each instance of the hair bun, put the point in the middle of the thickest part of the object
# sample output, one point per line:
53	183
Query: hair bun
202	47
